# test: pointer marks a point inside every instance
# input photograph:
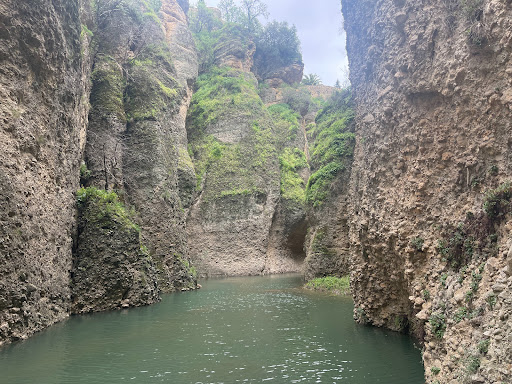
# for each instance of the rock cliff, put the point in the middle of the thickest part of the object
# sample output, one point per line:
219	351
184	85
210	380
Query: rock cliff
93	94
44	91
241	222
136	139
430	223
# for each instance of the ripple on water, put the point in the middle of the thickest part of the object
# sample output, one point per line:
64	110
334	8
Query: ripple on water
241	330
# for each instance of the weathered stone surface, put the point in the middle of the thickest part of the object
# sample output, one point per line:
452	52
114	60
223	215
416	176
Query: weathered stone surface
327	244
239	224
113	269
433	128
136	140
289	75
43	88
46	55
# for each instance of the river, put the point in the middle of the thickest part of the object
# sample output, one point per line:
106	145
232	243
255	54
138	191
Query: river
234	330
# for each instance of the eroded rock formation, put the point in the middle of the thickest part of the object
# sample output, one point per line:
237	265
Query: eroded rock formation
432	85
241	224
134	140
43	87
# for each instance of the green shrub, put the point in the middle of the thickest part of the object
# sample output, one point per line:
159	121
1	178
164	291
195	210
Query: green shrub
491	300
437	323
443	278
417	243
277	46
483	346
85	174
286	118
104	209
338	285
333	146
298	98
475	281
460	314
497	201
472	364
291	162
435	370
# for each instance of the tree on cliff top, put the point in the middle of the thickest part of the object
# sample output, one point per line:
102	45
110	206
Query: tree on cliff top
230	12
252	10
203	19
246	14
277	46
312	79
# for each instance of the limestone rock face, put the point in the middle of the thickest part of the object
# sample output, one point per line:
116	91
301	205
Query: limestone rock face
43	88
229	223
289	75
327	244
238	224
133	141
432	85
136	139
235	52
113	270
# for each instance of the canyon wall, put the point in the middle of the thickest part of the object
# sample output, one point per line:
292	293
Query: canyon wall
93	94
44	91
235	148
431	250
136	139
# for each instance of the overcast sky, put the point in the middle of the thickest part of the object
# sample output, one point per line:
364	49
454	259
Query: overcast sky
319	25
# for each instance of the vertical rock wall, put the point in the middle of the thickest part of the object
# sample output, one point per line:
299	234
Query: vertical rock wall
43	87
433	92
144	62
136	143
241	223
229	224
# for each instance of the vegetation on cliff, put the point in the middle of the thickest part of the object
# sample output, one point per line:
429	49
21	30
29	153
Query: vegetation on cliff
104	209
222	91
332	284
333	145
236	166
291	162
111	268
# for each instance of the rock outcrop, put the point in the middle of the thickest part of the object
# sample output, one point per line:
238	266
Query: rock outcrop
112	269
331	148
236	157
44	91
432	85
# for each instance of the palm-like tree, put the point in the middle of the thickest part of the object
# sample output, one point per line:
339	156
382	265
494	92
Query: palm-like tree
311	79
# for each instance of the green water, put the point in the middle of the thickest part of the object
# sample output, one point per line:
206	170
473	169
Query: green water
236	330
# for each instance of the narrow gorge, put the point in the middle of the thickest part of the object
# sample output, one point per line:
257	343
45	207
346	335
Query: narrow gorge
148	145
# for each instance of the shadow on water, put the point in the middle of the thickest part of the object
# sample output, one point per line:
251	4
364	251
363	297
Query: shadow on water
234	330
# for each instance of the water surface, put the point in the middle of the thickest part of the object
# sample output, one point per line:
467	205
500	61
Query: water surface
236	330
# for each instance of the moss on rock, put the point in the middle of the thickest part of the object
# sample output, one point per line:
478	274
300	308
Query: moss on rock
333	146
